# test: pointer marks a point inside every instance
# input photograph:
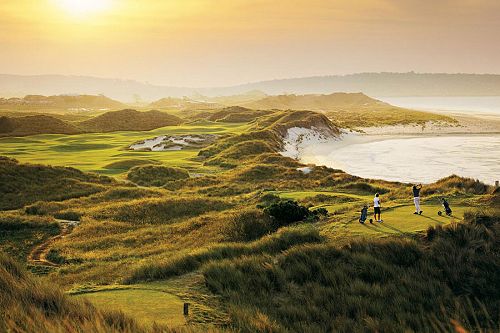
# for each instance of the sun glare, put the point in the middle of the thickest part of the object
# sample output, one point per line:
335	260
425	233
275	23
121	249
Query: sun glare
84	7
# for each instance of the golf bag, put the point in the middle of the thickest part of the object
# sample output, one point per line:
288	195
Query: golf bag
364	215
447	208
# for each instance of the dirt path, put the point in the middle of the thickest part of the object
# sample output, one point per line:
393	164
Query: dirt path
38	256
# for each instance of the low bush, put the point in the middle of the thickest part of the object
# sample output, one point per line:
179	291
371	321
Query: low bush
286	212
55	257
68	215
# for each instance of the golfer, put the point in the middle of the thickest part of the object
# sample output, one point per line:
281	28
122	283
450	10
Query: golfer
376	208
416	198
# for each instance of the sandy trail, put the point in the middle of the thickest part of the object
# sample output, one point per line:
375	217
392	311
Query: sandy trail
38	256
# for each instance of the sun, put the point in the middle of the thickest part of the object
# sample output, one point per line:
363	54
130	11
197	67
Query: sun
84	7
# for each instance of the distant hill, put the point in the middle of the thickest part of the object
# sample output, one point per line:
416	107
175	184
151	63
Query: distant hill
183	104
32	125
124	120
77	102
129	120
198	101
122	90
239	99
372	84
382	84
314	102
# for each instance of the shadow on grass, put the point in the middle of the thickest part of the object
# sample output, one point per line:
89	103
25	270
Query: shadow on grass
433	219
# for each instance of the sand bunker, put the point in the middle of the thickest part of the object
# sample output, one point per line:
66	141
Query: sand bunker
178	142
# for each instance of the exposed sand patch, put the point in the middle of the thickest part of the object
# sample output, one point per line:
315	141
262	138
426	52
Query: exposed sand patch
171	143
297	138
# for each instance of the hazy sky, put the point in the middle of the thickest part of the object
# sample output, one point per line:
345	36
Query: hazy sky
225	42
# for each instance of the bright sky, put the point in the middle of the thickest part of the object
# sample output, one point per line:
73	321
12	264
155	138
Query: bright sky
226	42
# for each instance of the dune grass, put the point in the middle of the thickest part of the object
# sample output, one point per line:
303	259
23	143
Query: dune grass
20	234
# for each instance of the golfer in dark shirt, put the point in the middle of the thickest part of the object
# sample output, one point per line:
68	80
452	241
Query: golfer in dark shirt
416	198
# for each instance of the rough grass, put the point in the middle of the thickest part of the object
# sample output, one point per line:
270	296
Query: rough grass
273	244
159	211
155	175
236	114
22	184
126	165
19	234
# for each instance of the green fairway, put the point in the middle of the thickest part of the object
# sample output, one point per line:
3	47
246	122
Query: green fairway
396	221
145	305
94	151
298	195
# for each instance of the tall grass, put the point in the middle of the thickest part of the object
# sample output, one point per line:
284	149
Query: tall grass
22	184
29	305
183	264
161	210
385	285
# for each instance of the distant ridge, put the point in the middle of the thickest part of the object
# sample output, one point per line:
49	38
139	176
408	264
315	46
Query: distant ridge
62	102
372	84
313	102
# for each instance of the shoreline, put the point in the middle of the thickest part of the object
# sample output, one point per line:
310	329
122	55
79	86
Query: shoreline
369	158
467	125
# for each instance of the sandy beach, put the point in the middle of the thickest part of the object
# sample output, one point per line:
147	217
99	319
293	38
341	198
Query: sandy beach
408	153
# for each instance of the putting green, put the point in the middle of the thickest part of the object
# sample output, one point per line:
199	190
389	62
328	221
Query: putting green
400	220
145	305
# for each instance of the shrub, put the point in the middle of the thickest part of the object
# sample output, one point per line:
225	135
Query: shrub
154	175
55	257
68	215
320	212
287	212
